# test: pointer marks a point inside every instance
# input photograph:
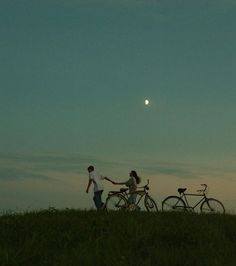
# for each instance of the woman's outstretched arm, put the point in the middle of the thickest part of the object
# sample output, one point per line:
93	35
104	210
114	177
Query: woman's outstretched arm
119	183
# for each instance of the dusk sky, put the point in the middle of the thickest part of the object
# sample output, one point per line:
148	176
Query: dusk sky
74	77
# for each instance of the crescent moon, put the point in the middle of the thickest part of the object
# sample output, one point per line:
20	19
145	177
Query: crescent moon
146	102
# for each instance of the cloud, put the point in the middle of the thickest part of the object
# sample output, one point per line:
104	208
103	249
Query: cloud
185	170
50	165
43	162
29	179
173	170
10	174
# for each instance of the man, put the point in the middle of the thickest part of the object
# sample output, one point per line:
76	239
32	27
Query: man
96	179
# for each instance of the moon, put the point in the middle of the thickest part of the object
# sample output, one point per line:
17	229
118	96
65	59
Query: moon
146	102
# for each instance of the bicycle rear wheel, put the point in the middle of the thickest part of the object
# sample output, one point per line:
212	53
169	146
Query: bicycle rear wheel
116	202
173	203
150	204
212	206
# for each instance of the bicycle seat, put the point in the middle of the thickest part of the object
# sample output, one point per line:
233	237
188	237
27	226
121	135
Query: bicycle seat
113	192
181	190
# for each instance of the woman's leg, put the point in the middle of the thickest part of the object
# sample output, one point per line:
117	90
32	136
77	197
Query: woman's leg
132	198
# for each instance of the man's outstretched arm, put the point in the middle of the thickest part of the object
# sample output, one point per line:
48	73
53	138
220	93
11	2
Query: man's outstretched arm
108	179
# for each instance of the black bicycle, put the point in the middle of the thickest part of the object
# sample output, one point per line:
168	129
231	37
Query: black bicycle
180	203
118	200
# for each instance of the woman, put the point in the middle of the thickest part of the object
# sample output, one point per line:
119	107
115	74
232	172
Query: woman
132	183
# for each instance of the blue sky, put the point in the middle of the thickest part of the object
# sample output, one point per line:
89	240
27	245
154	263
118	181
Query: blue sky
74	76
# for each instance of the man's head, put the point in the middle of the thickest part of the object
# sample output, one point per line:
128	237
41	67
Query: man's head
90	169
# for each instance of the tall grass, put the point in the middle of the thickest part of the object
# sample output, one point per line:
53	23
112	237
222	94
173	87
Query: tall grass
80	238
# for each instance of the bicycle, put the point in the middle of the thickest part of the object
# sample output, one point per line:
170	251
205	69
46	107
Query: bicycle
180	203
118	200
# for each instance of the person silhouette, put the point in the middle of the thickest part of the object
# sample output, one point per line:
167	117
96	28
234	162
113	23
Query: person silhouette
96	179
132	183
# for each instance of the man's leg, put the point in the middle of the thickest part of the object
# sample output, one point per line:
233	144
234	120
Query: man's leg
102	203
95	199
98	199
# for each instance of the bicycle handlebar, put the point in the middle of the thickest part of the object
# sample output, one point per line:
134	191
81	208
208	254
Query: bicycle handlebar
146	186
203	190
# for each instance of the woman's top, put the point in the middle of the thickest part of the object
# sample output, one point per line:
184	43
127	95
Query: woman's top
131	184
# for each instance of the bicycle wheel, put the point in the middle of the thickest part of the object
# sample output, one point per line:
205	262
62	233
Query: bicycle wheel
150	204
116	202
212	206
173	203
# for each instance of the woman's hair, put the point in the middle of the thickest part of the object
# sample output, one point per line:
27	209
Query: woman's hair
137	178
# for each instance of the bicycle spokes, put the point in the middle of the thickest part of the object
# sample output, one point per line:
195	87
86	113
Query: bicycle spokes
173	203
150	204
212	206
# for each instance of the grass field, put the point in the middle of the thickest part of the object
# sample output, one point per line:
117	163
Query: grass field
72	237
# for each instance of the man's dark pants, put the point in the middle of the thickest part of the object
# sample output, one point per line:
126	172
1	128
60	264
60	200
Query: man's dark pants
98	199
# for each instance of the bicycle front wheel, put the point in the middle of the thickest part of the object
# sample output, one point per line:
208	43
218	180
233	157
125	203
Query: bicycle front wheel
212	206
173	203
150	204
116	202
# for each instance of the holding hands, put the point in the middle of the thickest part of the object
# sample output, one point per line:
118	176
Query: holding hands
113	182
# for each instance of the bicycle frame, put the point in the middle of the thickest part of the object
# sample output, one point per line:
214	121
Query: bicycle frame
183	196
120	199
140	194
181	202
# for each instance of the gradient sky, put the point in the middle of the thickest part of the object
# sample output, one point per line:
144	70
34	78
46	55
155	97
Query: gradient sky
74	76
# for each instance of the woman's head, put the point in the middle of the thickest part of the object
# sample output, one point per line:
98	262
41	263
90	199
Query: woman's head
135	175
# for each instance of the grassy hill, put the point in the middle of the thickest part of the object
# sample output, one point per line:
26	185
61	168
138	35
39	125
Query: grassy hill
80	238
